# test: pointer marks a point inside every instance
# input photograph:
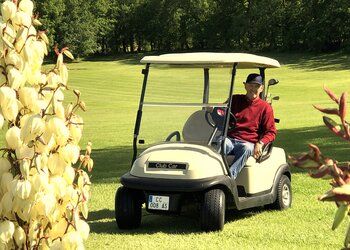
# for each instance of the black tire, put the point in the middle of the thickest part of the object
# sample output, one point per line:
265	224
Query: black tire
284	194
213	210
127	208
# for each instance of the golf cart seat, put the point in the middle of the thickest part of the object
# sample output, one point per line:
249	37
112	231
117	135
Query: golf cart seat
199	128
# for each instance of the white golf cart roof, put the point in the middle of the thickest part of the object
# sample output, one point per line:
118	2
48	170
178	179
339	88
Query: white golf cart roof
212	59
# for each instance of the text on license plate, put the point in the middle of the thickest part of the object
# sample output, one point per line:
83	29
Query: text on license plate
158	202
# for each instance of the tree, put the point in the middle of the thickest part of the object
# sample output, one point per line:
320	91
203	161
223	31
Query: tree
77	29
50	13
105	20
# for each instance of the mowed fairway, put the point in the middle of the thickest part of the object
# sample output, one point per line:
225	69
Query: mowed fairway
111	90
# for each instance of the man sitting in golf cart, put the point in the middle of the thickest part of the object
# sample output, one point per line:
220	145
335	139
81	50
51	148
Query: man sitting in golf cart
254	124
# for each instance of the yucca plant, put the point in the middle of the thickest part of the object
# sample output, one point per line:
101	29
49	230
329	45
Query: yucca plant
44	188
320	166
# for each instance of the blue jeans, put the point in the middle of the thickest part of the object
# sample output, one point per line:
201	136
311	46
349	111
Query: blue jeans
242	150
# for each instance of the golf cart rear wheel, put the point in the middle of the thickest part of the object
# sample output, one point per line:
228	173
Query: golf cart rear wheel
213	210
127	208
284	194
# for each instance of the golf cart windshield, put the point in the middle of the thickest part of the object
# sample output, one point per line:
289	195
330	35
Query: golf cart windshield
174	111
180	104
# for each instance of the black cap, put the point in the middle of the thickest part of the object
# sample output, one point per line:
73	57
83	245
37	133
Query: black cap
254	78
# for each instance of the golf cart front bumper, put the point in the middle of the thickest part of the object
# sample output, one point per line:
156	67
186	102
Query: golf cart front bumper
174	185
172	195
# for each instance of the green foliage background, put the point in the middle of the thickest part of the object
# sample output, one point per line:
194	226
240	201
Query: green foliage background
114	26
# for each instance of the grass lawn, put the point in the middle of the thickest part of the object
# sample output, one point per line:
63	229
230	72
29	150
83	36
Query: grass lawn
111	89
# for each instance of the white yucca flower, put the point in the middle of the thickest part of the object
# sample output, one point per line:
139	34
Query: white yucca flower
5	166
8	102
24	151
22	208
49	142
19	236
7	229
58	229
70	153
3	78
32	128
15	78
26	6
72	241
28	53
69	174
8	10
6	181
24	167
8	34
10	110
21	38
72	194
64	74
76	128
23	188
6	204
15	60
28	96
59	184
59	131
2	120
59	110
56	164
53	80
13	137
44	205
84	209
83	228
59	61
6	95
20	19
40	49
40	181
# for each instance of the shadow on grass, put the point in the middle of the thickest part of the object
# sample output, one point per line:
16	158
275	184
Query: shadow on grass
103	221
314	62
130	59
110	164
295	141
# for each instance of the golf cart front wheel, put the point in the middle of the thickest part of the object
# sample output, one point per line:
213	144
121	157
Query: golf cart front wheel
284	194
127	208
213	210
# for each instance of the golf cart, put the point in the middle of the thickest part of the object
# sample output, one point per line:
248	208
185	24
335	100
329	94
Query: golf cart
182	161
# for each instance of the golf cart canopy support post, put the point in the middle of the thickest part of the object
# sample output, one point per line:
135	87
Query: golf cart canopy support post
145	72
227	115
206	86
262	73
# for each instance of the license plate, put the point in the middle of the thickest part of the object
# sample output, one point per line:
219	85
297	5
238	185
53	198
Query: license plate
157	202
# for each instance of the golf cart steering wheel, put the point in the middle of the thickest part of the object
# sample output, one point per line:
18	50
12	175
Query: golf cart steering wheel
218	115
175	133
232	122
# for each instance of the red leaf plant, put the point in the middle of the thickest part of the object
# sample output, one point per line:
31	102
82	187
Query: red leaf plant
320	166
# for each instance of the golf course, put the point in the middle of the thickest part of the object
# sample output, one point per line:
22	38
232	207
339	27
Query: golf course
111	87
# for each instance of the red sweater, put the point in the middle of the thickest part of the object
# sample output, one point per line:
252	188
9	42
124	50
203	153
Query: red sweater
255	120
